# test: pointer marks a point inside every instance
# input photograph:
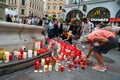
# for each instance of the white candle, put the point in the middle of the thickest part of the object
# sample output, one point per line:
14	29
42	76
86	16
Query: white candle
35	53
36	45
45	68
24	55
7	56
57	66
29	53
15	52
52	53
42	62
50	67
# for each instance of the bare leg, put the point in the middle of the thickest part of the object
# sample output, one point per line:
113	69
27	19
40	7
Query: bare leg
100	61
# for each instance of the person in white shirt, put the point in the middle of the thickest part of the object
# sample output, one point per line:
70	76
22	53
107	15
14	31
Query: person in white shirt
86	27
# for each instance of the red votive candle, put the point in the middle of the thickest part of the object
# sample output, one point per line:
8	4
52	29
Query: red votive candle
69	65
19	56
10	57
62	68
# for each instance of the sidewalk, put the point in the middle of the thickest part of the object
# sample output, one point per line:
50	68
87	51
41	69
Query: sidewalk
112	61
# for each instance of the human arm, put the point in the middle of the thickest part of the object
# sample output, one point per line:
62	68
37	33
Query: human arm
89	51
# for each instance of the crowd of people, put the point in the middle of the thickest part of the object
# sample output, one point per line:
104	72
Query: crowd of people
31	20
101	37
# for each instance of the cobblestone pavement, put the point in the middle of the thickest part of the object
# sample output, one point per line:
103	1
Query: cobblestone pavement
112	61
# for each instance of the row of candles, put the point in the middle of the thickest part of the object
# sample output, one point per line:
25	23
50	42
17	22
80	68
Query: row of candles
24	54
51	63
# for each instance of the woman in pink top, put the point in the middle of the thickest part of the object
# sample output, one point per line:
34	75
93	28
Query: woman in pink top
101	41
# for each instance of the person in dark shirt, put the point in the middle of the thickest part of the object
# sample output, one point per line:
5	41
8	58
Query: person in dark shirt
8	18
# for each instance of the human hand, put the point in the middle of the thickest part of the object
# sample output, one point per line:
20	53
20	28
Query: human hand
87	56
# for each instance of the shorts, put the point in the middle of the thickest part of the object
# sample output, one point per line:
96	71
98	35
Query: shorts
113	42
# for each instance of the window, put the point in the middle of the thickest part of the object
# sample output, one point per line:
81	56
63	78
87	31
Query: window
99	12
22	11
15	1
29	12
30	4
23	2
48	7
11	2
54	7
60	7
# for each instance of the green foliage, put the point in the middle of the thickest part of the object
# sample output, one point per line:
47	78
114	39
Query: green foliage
50	17
62	19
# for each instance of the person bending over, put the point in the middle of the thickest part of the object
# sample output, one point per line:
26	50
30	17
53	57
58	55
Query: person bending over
101	41
67	36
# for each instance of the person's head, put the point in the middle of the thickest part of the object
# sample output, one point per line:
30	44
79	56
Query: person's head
84	39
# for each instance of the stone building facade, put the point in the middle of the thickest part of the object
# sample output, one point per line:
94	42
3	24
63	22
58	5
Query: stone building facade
27	7
55	7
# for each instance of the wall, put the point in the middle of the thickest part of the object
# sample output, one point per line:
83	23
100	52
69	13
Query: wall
14	36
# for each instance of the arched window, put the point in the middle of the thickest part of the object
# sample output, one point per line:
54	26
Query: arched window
99	12
60	6
23	2
73	14
54	6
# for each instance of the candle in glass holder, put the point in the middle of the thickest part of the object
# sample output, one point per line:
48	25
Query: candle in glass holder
7	56
20	57
36	66
45	68
25	55
29	53
21	51
50	67
62	68
69	66
57	66
47	60
15	52
40	44
35	53
75	66
42	62
10	57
